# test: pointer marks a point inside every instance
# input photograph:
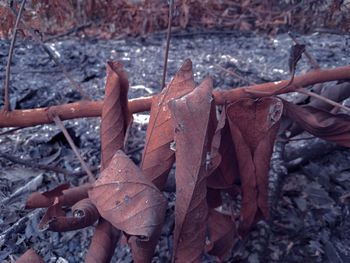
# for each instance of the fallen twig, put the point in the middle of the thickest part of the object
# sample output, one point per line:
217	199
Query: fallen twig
42	44
71	143
234	74
30	186
30	163
70	31
25	118
315	95
7	106
18	226
10	131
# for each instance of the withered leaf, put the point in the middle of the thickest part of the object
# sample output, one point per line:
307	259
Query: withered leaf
103	243
116	118
30	257
45	199
190	115
253	125
84	215
221	234
223	161
322	124
67	197
158	158
337	93
133	203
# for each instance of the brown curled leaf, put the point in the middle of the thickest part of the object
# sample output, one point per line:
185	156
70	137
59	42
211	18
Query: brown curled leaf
116	118
103	244
190	116
67	197
158	158
253	125
133	204
223	161
30	257
143	249
337	93
84	215
45	199
221	235
320	123
75	194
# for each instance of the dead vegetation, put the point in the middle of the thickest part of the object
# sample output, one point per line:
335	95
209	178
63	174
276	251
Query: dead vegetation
221	141
118	18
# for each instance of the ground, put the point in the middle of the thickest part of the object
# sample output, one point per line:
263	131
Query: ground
308	217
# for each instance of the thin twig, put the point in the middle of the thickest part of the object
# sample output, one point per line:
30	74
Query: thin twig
59	123
307	54
10	131
167	42
234	74
33	164
295	139
331	102
70	31
37	39
343	197
7	106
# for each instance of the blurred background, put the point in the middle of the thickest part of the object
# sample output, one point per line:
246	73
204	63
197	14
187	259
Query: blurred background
113	19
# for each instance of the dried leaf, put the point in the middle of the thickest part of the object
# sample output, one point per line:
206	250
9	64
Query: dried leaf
30	257
253	125
336	93
116	118
133	204
322	124
158	158
294	56
224	165
46	199
222	234
103	243
190	115
84	215
67	197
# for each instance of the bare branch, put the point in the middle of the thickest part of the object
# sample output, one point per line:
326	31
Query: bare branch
71	143
171	4
7	106
25	118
